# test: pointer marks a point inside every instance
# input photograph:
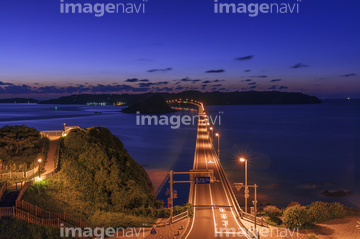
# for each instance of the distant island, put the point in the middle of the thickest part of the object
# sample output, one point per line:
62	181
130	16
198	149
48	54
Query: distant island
154	105
19	100
208	98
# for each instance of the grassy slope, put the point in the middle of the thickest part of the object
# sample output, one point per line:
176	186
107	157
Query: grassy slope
98	181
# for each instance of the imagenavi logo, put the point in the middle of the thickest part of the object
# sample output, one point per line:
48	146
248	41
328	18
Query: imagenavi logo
100	9
254	9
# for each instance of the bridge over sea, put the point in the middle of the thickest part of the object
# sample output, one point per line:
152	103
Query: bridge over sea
217	213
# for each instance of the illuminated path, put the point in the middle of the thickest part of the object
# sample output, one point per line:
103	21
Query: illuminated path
214	210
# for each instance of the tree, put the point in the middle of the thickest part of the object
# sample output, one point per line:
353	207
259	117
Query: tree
19	144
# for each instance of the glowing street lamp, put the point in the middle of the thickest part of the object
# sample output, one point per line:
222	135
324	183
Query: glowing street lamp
246	186
218	136
39	160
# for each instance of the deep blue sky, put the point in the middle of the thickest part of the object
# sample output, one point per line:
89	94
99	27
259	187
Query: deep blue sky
45	54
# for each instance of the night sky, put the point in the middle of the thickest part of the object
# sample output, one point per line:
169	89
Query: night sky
179	45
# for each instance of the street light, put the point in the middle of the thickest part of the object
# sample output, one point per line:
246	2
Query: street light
39	160
246	186
218	136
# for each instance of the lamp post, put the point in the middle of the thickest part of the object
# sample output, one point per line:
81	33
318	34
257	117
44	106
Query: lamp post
246	186
39	160
218	136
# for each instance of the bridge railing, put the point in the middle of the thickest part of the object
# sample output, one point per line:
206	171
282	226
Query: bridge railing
180	216
259	220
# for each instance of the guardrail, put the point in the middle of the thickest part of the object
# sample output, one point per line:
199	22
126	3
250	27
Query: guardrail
180	216
63	216
29	218
52	133
20	174
259	220
3	189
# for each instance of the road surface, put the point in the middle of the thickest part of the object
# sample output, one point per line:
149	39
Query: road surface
214	213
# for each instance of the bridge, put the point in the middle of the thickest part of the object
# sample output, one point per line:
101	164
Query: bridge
187	104
216	210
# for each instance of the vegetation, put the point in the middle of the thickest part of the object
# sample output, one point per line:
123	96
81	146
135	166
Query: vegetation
154	105
20	147
273	212
323	211
208	98
296	217
98	177
18	229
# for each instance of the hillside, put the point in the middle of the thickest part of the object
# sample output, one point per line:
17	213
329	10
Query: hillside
96	175
154	105
208	98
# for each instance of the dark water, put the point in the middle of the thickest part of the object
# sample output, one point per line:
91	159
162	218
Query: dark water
295	152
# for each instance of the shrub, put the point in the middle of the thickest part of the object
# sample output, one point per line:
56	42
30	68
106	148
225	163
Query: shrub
323	211
272	211
319	212
293	204
336	210
296	217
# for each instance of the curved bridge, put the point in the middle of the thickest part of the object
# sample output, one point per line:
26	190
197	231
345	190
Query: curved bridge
185	104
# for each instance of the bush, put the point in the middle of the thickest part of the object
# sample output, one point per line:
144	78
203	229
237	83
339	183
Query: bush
296	217
319	212
18	229
337	210
272	211
323	211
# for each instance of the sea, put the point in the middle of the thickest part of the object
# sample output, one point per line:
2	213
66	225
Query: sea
301	153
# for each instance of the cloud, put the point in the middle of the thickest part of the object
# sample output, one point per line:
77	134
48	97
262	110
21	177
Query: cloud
298	65
283	87
253	87
112	88
163	89
147	84
154	70
244	58
5	83
217	85
252	83
213	81
187	79
215	71
248	80
247	70
203	85
259	76
132	80
17	89
273	87
349	75
274	80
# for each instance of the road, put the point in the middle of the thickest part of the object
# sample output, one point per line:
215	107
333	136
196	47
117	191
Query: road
214	213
